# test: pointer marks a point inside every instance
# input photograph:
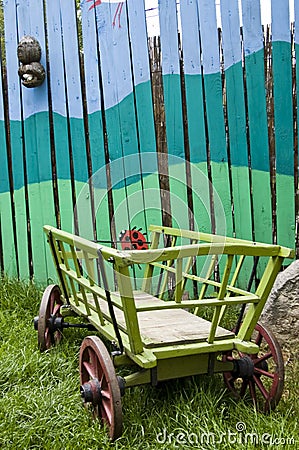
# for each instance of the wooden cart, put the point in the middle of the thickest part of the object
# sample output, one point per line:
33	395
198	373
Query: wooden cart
138	302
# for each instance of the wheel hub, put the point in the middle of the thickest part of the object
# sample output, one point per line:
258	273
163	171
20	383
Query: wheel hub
243	367
91	392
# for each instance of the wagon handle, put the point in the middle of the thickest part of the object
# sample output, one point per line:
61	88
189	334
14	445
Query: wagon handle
242	310
109	301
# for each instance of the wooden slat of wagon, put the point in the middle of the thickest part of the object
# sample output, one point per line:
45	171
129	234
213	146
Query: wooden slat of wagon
30	19
16	137
214	113
9	262
195	115
59	115
257	119
283	122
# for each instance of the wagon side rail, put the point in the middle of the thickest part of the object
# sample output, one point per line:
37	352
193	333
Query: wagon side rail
84	288
178	261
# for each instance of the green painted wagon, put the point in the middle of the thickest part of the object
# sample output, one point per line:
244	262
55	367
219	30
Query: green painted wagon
137	302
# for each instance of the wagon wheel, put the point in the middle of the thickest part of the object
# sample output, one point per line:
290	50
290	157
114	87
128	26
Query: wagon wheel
99	385
48	311
264	379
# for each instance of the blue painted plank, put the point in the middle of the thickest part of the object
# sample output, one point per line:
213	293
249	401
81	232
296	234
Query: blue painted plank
16	137
144	110
283	120
173	113
75	114
59	109
6	220
214	109
95	122
30	16
112	26
195	114
257	119
236	116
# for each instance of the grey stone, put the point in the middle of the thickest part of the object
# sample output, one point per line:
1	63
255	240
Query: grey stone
281	312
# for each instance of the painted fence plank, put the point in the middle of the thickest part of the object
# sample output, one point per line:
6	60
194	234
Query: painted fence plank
37	145
214	111
173	112
95	122
195	115
84	225
6	219
120	115
59	114
16	137
257	120
144	111
283	118
296	42
236	117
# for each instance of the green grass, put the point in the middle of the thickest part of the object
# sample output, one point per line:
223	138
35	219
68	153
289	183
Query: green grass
40	406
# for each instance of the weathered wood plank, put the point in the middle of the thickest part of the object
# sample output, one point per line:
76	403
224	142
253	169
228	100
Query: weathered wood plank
236	117
214	112
59	115
168	326
283	118
96	130
257	119
74	98
144	111
16	138
35	107
120	116
195	115
173	113
8	249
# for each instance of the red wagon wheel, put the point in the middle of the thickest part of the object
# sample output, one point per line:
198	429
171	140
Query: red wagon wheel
261	375
99	384
48	311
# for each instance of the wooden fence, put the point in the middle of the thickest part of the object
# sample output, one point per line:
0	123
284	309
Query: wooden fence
196	130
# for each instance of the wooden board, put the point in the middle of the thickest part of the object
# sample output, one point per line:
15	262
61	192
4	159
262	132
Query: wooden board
166	326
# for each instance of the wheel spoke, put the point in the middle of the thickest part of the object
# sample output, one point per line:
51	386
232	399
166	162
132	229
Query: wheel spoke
105	407
106	394
252	392
261	387
89	369
243	388
262	358
93	361
259	339
56	309
264	372
230	378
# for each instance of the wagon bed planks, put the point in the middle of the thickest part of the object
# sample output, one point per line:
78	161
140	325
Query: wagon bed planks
166	326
